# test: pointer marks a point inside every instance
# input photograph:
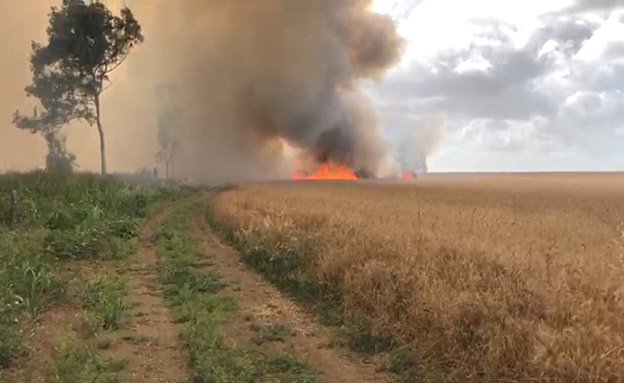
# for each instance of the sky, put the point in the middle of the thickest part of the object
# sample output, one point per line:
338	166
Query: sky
131	145
509	85
484	85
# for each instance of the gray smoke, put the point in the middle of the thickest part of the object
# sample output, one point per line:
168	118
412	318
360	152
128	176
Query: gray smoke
422	139
256	73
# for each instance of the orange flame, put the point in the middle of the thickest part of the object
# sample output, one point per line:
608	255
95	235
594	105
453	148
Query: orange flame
329	171
408	175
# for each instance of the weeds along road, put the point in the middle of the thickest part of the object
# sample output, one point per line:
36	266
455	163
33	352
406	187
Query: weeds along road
235	326
266	316
156	355
179	308
106	282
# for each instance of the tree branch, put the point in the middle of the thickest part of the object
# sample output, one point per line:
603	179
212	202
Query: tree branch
121	60
110	83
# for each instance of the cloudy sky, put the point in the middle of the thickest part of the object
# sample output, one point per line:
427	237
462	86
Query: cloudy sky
509	85
485	85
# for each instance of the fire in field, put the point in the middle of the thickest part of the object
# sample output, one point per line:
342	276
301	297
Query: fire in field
332	256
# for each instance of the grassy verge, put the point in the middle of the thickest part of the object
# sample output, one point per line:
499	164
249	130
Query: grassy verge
28	285
195	298
59	219
80	356
106	301
83	363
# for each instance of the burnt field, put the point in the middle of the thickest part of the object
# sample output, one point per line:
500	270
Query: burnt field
505	277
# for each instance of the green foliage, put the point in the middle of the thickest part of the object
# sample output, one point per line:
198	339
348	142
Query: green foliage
286	368
87	38
106	299
194	297
82	243
273	333
93	240
81	364
31	282
10	345
87	216
86	42
27	286
62	216
63	201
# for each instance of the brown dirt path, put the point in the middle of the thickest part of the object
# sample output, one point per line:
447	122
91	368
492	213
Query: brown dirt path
41	339
266	305
157	358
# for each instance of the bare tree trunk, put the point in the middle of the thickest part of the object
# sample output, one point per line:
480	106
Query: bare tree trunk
101	132
13	208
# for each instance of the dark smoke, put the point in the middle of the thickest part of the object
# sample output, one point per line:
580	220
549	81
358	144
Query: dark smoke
257	73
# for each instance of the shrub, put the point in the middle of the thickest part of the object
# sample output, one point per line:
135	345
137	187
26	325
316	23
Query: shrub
32	283
82	243
106	299
73	363
10	345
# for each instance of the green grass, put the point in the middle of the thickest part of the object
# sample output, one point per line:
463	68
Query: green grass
28	285
10	339
272	333
73	363
27	279
194	297
106	300
61	217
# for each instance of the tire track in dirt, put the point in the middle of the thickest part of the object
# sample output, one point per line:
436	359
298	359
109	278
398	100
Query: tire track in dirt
159	358
266	304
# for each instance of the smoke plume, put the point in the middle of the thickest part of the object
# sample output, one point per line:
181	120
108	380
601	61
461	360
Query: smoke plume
262	74
424	137
266	86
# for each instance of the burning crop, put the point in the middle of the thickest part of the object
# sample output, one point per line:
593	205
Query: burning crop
329	171
410	175
254	72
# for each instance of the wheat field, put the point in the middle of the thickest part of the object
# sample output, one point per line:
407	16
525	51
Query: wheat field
485	277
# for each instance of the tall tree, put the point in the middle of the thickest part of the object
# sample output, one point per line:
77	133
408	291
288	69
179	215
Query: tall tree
169	124
169	143
86	42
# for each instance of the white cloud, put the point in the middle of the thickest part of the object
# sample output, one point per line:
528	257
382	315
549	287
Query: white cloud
611	30
434	25
475	62
524	85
